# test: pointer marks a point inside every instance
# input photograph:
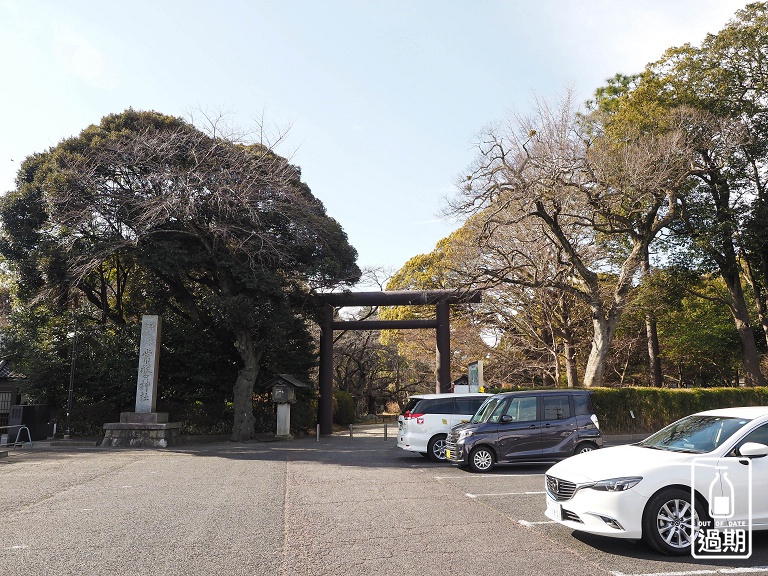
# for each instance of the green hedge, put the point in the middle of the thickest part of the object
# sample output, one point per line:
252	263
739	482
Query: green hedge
654	408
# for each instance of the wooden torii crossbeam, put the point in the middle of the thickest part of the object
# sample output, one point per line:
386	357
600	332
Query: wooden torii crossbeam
441	299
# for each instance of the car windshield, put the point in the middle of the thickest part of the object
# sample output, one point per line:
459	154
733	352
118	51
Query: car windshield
694	434
485	410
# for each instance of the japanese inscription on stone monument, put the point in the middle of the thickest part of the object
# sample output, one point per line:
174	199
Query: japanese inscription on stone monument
149	360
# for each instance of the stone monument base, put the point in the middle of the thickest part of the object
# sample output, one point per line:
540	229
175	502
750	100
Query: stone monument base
142	430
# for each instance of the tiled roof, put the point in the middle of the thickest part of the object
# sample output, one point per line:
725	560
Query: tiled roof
287	378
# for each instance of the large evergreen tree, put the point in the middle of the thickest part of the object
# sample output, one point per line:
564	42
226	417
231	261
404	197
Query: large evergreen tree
722	217
145	209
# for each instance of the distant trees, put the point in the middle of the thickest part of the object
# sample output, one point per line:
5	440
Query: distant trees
563	204
147	211
437	270
571	212
374	372
722	215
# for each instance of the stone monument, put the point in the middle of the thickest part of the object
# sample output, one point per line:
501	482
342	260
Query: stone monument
145	428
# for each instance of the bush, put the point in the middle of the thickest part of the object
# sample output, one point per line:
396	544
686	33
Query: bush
654	408
343	408
304	412
88	419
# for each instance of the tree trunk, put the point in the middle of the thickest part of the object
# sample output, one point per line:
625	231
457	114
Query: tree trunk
762	314
654	361
244	421
760	297
571	370
730	270
740	311
604	330
750	356
595	370
757	292
557	369
556	359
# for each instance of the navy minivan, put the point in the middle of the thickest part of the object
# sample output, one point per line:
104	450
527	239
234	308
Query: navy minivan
528	426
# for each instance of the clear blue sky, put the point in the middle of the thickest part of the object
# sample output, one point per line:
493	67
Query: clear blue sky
383	97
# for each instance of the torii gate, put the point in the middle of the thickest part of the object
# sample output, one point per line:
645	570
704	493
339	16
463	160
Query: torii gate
441	299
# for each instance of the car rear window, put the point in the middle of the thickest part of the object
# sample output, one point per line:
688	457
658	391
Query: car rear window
557	407
468	404
411	405
582	403
435	406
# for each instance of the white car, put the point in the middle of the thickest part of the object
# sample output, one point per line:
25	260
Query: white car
644	490
427	419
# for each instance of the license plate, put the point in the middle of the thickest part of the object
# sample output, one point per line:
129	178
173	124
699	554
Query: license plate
447	453
555	510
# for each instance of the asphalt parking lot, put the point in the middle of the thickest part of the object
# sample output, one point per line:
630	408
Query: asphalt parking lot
334	506
517	492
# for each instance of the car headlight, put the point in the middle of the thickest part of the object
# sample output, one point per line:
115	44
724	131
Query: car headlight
617	484
465	434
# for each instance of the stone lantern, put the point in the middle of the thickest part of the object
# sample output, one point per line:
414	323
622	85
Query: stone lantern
283	388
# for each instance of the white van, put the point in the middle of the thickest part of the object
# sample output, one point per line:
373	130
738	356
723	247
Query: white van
427	419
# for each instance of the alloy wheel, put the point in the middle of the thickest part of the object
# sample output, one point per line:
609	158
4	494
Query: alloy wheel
675	522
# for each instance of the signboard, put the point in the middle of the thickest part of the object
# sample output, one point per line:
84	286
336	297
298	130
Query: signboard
475	374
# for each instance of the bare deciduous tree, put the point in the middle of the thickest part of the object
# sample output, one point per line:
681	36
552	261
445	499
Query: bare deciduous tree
556	184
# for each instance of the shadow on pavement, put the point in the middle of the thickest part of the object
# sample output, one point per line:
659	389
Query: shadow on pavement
641	551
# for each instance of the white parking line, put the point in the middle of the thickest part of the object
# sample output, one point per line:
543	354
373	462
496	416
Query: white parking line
470	495
747	570
529	524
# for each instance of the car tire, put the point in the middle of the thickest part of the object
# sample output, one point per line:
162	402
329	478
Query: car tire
436	448
669	521
481	459
585	447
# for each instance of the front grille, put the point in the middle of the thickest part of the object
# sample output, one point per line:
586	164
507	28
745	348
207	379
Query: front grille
559	489
450	444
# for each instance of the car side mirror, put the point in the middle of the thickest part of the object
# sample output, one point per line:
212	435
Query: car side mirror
753	450
506	418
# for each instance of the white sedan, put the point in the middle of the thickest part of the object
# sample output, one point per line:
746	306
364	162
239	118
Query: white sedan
644	490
